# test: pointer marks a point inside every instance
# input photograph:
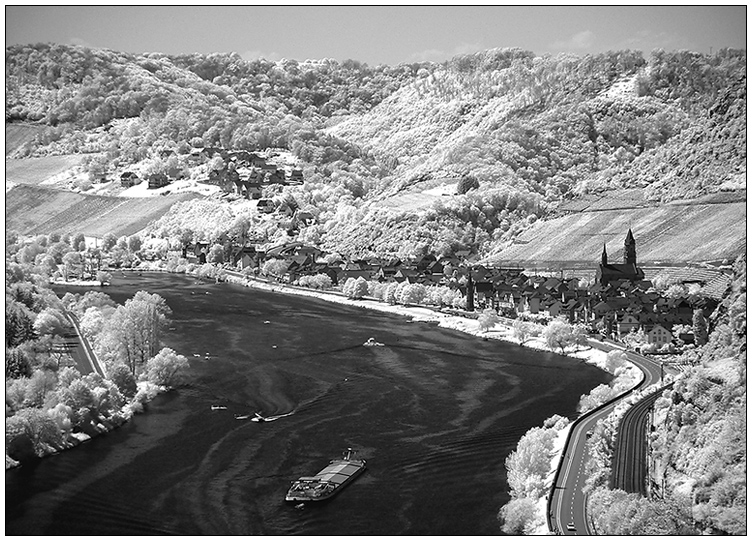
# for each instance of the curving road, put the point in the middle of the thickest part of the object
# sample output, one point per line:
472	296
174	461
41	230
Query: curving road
567	501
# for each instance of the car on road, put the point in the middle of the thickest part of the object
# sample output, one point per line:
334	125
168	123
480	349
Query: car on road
571	527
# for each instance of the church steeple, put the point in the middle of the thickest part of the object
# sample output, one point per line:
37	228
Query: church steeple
604	256
630	249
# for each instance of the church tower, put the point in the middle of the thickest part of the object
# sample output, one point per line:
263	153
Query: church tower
604	256
630	249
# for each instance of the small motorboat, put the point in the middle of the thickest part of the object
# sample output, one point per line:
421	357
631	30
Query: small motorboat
215	408
371	342
242	417
258	418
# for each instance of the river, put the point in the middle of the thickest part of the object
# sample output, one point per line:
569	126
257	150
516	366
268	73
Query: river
434	412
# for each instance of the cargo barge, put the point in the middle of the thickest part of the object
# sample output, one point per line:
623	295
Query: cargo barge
328	482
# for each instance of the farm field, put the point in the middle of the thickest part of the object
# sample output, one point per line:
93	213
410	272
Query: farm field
39	170
16	135
33	210
414	200
690	231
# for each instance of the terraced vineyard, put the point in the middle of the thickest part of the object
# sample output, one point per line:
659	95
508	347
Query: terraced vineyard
682	232
33	210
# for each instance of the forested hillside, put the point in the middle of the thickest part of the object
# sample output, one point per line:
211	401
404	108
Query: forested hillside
524	133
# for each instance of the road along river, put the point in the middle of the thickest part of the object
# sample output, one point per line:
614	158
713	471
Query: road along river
434	412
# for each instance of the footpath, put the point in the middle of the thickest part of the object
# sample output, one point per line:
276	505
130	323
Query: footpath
81	351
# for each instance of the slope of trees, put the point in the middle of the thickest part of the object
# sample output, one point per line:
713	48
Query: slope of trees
532	130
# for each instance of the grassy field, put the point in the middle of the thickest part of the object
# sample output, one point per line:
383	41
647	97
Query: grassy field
681	232
33	210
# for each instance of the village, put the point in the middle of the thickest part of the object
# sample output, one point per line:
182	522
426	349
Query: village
243	173
619	301
613	299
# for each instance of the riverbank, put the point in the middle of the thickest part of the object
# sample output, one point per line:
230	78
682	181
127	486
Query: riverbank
20	447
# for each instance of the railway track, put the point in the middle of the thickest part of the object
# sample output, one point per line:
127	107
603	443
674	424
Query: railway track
629	469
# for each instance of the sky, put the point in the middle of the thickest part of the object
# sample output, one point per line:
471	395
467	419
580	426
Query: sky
379	34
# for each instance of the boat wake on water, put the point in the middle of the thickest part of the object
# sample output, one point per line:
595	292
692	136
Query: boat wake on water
258	418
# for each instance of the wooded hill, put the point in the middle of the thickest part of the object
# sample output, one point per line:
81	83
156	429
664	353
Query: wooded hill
536	132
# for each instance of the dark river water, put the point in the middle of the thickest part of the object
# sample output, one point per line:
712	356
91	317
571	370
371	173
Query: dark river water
434	412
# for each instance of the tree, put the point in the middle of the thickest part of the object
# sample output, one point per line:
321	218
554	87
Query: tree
71	262
108	242
517	516
413	294
96	299
50	321
78	243
124	379
635	338
700	327
17	364
134	330
19	323
615	359
560	334
92	322
240	228
166	368
216	254
134	243
41	429
40	383
185	237
524	330
488	319
216	164
355	288
46	264
467	183
274	267
103	277
390	293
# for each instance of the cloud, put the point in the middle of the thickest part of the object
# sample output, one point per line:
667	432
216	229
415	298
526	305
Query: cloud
437	55
255	55
81	43
578	42
647	41
429	55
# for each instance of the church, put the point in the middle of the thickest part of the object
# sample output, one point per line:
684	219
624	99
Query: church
609	273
